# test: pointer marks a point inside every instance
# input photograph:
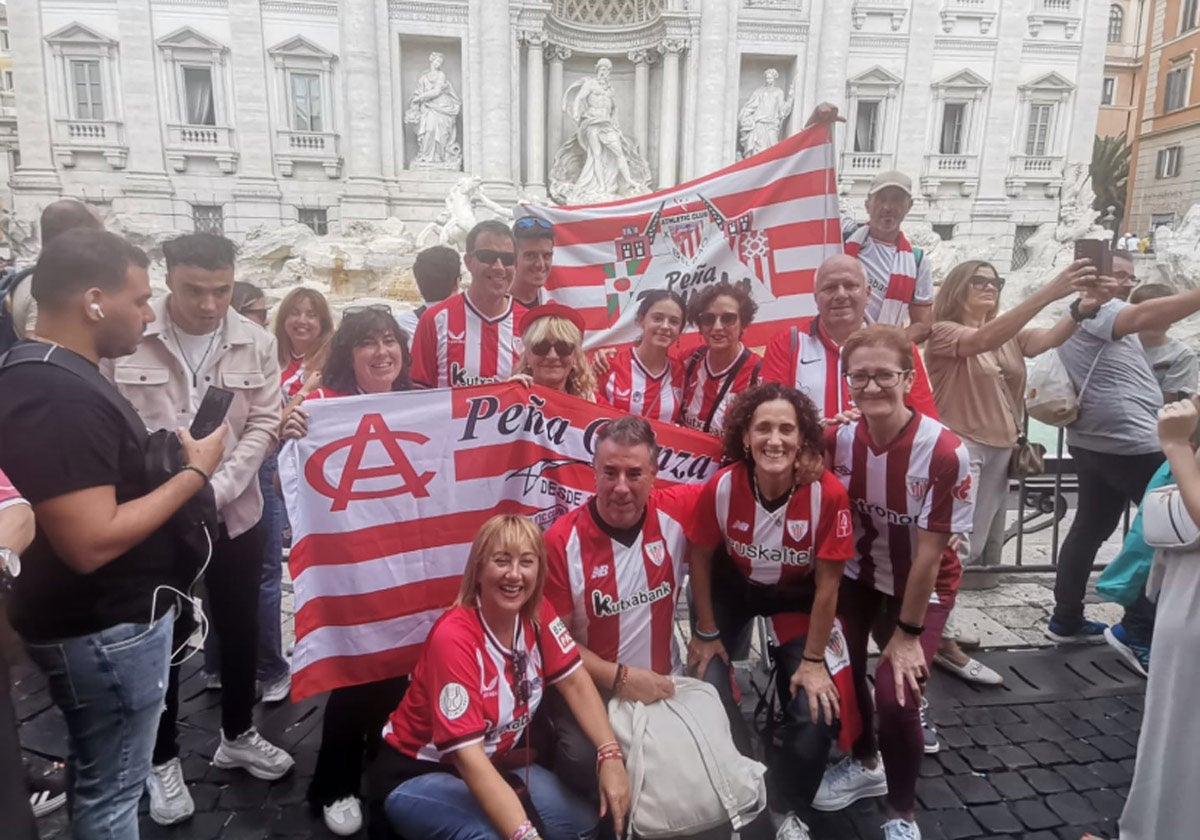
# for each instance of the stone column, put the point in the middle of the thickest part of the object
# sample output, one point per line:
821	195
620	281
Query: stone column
917	97
641	99
36	179
554	94
833	48
146	189
668	141
364	197
535	112
496	87
256	192
712	79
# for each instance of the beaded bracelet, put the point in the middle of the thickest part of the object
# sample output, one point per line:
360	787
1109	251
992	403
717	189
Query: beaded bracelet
705	636
520	831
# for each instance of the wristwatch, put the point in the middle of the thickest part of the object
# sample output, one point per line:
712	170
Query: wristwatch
1078	316
10	567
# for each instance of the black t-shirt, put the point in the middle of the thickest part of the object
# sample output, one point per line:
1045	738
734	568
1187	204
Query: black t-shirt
58	434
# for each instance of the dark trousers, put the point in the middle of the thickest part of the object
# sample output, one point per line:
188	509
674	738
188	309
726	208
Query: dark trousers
863	610
1108	484
14	795
737	601
232	583
350	737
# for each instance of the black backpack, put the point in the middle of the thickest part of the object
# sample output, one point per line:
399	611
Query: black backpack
9	281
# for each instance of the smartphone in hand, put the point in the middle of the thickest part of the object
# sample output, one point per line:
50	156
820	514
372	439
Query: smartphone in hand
211	413
1098	252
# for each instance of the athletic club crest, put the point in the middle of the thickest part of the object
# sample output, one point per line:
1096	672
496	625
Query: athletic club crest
918	486
797	528
657	552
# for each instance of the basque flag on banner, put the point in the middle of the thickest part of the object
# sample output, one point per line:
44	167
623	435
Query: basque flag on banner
386	493
767	222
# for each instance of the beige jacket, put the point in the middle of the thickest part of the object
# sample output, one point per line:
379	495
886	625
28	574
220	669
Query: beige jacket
245	362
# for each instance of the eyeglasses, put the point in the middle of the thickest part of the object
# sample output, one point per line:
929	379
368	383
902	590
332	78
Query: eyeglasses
984	282
884	378
254	312
562	348
532	223
523	690
368	307
487	256
707	319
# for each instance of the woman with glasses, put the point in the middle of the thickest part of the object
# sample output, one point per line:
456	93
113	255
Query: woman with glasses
249	301
643	379
303	325
456	768
367	355
975	356
910	488
553	357
723	367
785	543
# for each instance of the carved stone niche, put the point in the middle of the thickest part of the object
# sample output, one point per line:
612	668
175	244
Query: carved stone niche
431	91
751	79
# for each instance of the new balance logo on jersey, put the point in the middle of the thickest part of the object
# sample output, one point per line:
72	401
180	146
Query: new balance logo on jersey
604	605
657	552
786	556
797	528
739	525
600	571
867	509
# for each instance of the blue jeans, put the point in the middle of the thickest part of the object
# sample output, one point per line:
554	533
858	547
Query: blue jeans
271	664
438	806
110	687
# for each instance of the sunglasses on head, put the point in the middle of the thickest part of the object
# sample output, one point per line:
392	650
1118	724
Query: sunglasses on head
254	311
562	348
707	319
367	307
984	282
487	256
528	223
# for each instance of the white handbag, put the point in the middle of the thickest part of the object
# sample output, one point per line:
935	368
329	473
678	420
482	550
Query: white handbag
1050	396
1165	520
685	774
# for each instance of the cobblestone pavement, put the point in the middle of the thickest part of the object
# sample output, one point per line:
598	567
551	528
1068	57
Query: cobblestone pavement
1048	755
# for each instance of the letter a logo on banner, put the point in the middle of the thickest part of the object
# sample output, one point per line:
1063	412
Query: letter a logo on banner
371	428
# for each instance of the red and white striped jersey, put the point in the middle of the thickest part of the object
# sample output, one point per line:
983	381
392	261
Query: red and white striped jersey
465	690
455	345
9	495
777	546
619	600
806	358
629	387
922	481
705	397
291	378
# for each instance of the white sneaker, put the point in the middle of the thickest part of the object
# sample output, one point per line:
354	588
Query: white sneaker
170	801
847	782
277	691
792	828
344	817
254	754
901	830
932	745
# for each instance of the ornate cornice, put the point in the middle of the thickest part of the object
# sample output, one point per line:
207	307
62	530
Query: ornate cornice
976	44
1051	48
298	7
895	43
757	29
438	11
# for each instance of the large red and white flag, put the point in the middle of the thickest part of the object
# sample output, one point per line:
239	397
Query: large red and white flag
767	221
387	492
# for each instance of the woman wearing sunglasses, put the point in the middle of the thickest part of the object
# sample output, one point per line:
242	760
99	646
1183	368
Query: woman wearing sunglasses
910	490
454	769
367	355
976	361
643	379
553	357
723	367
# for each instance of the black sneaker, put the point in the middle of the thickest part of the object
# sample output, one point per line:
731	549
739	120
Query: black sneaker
47	792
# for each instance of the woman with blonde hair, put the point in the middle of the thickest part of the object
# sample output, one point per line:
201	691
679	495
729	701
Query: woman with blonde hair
303	327
553	357
450	770
975	356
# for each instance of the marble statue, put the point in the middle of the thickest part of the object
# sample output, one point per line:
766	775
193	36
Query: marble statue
459	214
761	119
597	163
434	108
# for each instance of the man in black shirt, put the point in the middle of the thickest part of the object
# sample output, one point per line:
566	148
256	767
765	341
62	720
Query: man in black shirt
91	601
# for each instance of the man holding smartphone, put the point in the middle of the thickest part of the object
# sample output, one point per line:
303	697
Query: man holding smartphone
90	600
197	342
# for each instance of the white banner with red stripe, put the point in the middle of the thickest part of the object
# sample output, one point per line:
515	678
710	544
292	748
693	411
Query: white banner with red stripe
387	491
767	221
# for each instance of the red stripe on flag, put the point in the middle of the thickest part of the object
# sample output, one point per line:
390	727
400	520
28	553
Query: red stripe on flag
366	608
353	670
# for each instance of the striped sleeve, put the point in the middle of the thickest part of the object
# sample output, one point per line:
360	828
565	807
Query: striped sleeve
950	503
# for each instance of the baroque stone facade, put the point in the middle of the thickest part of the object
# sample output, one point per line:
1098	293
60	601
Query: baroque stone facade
243	113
